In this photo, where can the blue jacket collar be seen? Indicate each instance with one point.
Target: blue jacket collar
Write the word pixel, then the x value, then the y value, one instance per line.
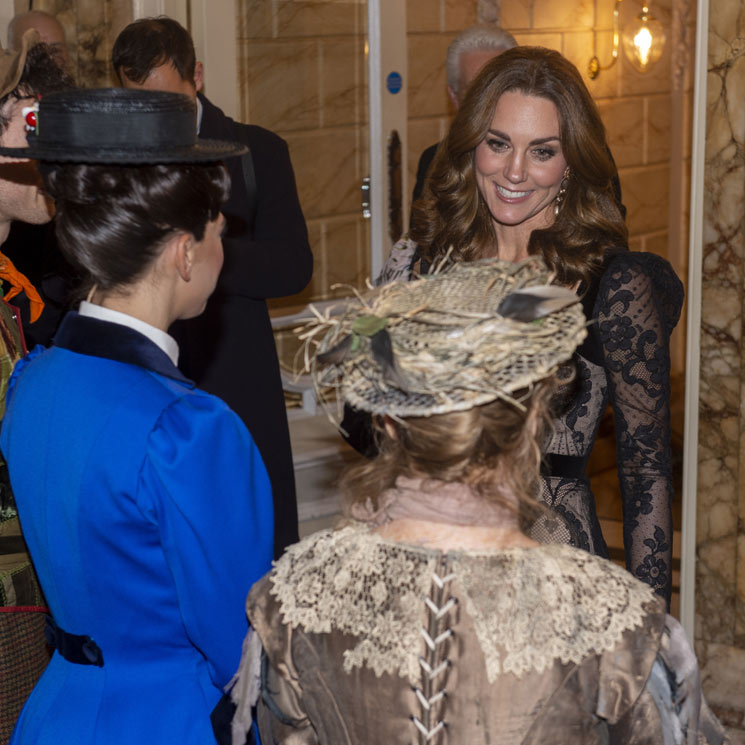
pixel 112 341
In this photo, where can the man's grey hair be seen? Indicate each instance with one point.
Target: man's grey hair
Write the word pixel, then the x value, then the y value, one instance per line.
pixel 475 39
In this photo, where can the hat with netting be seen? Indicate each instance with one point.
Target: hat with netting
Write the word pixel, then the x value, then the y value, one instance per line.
pixel 449 341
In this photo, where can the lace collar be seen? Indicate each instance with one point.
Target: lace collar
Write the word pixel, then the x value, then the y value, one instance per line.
pixel 530 607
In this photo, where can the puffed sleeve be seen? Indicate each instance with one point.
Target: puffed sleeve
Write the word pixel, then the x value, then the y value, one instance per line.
pixel 638 304
pixel 281 711
pixel 671 707
pixel 206 488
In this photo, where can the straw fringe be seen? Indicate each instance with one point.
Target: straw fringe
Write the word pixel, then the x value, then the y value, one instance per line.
pixel 452 348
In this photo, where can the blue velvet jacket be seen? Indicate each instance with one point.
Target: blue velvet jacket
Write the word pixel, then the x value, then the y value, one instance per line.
pixel 148 514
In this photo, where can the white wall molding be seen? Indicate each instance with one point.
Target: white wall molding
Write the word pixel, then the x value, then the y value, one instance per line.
pixel 693 332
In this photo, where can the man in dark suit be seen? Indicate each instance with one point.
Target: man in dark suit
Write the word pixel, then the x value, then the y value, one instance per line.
pixel 229 350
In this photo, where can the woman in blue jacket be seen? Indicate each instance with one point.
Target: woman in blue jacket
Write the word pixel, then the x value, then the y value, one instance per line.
pixel 144 502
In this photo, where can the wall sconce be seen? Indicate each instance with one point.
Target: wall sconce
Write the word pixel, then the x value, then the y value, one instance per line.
pixel 643 41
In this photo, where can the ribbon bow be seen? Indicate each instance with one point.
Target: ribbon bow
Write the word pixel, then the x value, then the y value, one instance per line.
pixel 20 282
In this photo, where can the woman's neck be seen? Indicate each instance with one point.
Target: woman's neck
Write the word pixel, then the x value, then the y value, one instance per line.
pixel 512 240
pixel 454 537
pixel 139 302
pixel 444 515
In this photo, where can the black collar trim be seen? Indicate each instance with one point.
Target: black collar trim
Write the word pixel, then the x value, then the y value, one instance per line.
pixel 92 336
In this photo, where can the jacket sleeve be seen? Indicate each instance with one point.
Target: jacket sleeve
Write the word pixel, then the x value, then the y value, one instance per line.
pixel 638 304
pixel 205 487
pixel 276 260
pixel 281 711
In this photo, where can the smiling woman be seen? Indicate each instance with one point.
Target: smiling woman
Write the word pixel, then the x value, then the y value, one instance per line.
pixel 518 174
pixel 526 170
pixel 545 97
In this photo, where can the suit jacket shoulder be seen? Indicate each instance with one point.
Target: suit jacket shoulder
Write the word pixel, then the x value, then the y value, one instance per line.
pixel 278 260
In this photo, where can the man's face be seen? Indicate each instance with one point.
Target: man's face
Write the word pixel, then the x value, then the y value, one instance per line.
pixel 164 78
pixel 21 190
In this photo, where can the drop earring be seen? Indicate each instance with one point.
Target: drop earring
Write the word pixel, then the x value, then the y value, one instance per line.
pixel 562 192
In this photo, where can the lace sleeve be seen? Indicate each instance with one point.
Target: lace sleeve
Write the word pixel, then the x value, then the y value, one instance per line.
pixel 638 304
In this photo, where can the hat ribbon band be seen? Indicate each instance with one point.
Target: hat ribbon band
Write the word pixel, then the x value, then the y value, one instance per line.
pixel 147 130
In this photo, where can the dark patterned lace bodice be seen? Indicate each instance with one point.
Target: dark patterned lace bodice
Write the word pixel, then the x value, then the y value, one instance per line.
pixel 634 306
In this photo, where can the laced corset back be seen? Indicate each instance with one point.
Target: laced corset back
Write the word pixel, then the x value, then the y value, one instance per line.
pixel 401 608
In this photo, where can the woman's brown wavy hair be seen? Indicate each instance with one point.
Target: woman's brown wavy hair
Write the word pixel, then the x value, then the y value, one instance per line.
pixel 494 448
pixel 452 211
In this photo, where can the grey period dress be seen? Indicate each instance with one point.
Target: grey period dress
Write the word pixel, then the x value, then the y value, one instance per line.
pixel 370 641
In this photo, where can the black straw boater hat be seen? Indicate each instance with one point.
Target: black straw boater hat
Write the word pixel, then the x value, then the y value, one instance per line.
pixel 118 125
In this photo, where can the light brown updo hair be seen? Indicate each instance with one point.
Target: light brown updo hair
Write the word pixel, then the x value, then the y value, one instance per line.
pixel 493 448
pixel 452 211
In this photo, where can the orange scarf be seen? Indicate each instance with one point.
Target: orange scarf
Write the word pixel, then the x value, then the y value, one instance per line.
pixel 18 282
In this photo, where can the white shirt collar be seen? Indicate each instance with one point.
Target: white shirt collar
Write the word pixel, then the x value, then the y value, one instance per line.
pixel 200 111
pixel 160 338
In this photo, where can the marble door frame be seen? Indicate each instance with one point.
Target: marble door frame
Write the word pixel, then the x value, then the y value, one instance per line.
pixel 693 331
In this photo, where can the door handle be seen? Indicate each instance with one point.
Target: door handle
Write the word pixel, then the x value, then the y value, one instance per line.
pixel 366 212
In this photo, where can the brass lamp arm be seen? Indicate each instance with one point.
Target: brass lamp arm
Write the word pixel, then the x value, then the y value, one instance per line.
pixel 594 67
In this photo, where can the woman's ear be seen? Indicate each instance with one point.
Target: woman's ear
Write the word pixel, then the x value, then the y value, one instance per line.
pixel 181 251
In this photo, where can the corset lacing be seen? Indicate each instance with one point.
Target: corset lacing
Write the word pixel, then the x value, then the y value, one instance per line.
pixel 434 662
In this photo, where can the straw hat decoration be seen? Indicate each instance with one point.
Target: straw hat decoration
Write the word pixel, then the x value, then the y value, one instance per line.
pixel 448 341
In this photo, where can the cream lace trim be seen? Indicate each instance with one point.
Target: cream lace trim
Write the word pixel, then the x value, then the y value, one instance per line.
pixel 350 581
pixel 530 607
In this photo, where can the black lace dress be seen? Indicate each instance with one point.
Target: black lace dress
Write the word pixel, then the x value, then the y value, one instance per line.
pixel 633 307
pixel 625 359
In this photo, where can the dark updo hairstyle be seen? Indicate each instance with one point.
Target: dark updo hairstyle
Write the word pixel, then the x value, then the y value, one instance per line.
pixel 452 211
pixel 112 221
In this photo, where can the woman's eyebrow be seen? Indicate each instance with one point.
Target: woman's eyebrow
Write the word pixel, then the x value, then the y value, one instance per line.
pixel 537 141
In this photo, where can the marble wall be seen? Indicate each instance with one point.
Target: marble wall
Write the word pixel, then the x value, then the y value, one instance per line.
pixel 720 576
pixel 303 73
pixel 431 26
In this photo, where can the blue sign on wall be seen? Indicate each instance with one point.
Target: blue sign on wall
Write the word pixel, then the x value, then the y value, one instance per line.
pixel 394 82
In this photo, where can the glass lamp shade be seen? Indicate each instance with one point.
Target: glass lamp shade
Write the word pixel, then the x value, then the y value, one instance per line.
pixel 643 40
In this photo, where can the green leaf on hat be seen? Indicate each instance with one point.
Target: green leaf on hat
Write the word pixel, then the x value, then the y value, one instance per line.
pixel 369 325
